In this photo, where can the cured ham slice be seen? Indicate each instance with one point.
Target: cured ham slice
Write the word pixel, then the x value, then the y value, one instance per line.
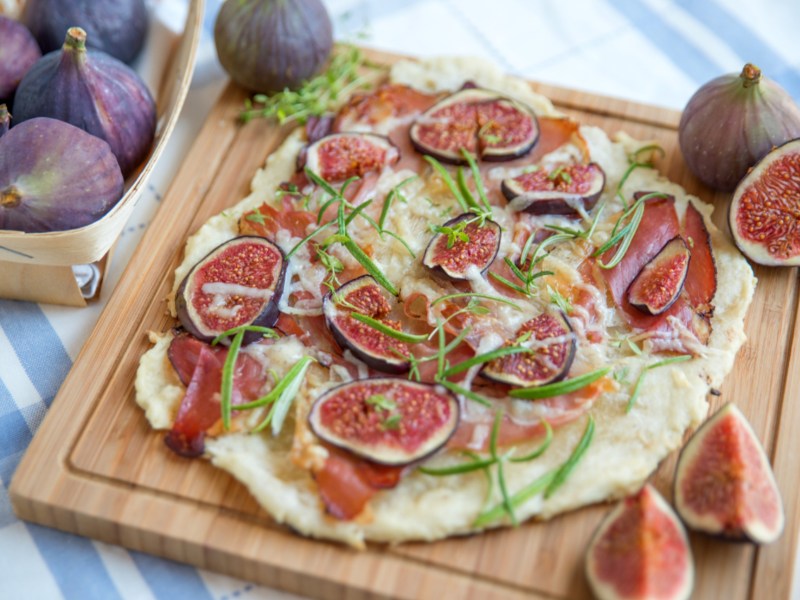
pixel 199 367
pixel 693 308
pixel 346 483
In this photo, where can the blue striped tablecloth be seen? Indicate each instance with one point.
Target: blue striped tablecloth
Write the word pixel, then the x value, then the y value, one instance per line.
pixel 654 51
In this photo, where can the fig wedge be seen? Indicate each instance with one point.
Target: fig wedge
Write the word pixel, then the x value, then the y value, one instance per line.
pixel 640 551
pixel 763 214
pixel 376 349
pixel 552 343
pixel 386 421
pixel 462 243
pixel 238 283
pixel 724 484
pixel 660 282
pixel 339 156
pixel 560 191
pixel 480 121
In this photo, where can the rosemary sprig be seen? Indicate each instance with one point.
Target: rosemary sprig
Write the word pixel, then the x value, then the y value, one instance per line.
pixel 282 396
pixel 548 483
pixel 227 379
pixel 624 234
pixel 267 332
pixel 662 363
pixel 499 299
pixel 316 96
pixel 484 358
pixel 469 394
pixel 377 325
pixel 560 387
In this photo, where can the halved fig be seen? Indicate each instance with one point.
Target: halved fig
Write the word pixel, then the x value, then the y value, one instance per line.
pixel 552 344
pixel 462 243
pixel 660 281
pixel 640 551
pixel 764 215
pixel 386 421
pixel 375 348
pixel 724 484
pixel 340 156
pixel 481 121
pixel 238 283
pixel 559 191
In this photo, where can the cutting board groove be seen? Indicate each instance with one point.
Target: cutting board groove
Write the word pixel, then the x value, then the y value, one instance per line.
pixel 97 469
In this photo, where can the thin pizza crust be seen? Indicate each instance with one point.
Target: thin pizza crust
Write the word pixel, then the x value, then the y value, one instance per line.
pixel 625 450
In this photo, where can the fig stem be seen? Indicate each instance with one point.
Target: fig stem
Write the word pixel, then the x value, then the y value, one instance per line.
pixel 751 75
pixel 10 197
pixel 76 39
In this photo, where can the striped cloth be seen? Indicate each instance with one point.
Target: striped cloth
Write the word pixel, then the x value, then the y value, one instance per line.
pixel 654 51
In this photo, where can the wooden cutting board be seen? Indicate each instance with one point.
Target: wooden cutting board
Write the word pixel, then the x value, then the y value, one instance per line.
pixel 96 468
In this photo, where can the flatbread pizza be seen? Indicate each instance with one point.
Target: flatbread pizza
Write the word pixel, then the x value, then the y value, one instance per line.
pixel 446 308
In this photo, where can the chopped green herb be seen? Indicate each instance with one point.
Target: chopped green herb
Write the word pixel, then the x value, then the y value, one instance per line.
pixel 392 422
pixel 256 217
pixel 316 96
pixel 564 470
pixel 484 358
pixel 662 363
pixel 559 300
pixel 283 394
pixel 500 299
pixel 560 387
pixel 390 331
pixel 381 402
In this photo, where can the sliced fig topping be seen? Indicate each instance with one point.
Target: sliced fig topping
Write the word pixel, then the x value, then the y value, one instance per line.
pixel 462 243
pixel 375 348
pixel 560 191
pixel 387 421
pixel 640 551
pixel 552 343
pixel 660 281
pixel 480 121
pixel 339 156
pixel 724 483
pixel 238 283
pixel 765 210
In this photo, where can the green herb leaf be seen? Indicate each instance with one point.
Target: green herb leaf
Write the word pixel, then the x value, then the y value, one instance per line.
pixel 392 422
pixel 560 387
pixel 381 402
pixel 564 470
pixel 370 267
pixel 500 299
pixel 226 390
pixel 445 175
pixel 484 358
pixel 541 449
pixel 459 469
pixel 469 394
pixel 377 325
pixel 662 363
pixel 283 394
pixel 267 332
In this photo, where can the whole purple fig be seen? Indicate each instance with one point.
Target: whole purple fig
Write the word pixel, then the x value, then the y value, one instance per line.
pixel 269 45
pixel 54 176
pixel 731 122
pixel 95 92
pixel 18 53
pixel 116 27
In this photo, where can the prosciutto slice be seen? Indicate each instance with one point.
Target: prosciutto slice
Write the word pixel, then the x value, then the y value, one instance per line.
pixel 199 367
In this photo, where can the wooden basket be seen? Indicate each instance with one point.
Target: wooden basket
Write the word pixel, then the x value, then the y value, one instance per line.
pixel 38 266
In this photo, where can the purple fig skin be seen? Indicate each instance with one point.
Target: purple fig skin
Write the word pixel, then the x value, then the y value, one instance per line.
pixel 95 92
pixel 18 53
pixel 5 120
pixel 116 27
pixel 732 122
pixel 55 177
pixel 269 45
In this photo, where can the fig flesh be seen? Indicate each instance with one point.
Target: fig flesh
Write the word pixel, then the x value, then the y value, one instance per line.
pixel 640 551
pixel 552 342
pixel 238 283
pixel 386 421
pixel 731 122
pixel 564 190
pixel 270 45
pixel 480 121
pixel 18 53
pixel 764 213
pixel 54 177
pixel 724 484
pixel 116 27
pixel 660 282
pixel 376 349
pixel 462 244
pixel 95 92
pixel 339 156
